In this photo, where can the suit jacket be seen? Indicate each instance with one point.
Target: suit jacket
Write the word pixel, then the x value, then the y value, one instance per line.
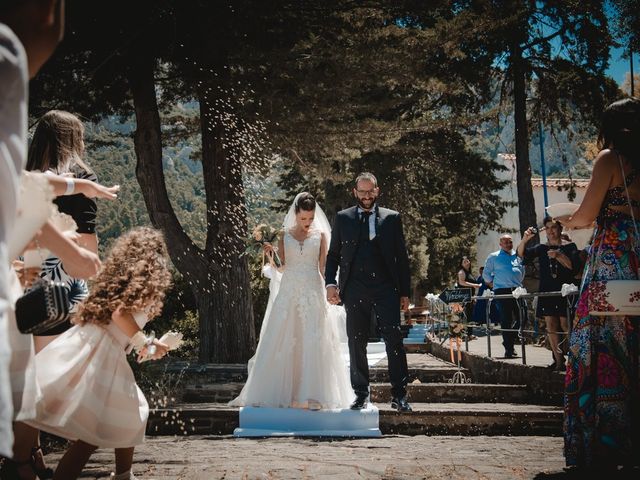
pixel 344 244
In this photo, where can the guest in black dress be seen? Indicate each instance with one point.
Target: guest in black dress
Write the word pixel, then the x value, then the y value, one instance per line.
pixel 556 268
pixel 58 147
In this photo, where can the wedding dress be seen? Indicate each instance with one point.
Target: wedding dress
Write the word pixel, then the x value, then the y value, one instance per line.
pixel 298 362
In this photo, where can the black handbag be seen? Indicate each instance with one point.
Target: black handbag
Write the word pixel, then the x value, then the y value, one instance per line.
pixel 44 306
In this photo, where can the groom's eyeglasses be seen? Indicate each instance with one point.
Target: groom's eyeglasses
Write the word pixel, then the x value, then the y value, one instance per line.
pixel 366 193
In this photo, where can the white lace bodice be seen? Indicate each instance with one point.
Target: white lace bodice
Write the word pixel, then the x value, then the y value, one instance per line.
pixel 302 257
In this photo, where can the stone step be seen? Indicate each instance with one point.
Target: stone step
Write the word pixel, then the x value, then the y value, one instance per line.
pixel 426 419
pixel 422 366
pixel 418 392
pixel 423 347
pixel 455 392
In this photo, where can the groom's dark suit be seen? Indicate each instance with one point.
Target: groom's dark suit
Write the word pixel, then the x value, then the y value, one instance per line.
pixel 374 274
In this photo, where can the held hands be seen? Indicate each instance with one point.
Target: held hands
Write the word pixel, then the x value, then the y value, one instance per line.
pixel 333 297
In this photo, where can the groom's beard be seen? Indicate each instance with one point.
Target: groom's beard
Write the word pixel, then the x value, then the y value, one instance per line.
pixel 366 203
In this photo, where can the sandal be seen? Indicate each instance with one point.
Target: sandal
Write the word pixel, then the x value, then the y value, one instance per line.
pixel 44 472
pixel 128 475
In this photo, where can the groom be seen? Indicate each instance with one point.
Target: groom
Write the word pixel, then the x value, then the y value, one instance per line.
pixel 367 243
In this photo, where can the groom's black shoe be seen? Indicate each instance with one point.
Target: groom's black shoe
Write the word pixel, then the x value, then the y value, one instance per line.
pixel 401 404
pixel 360 402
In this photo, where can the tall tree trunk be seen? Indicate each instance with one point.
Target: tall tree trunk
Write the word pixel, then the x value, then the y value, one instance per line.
pixel 219 279
pixel 526 203
pixel 149 171
pixel 226 321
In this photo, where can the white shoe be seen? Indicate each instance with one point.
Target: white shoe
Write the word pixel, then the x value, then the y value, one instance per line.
pixel 123 476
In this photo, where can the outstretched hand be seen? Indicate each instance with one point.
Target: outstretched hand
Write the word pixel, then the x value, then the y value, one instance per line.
pixel 92 189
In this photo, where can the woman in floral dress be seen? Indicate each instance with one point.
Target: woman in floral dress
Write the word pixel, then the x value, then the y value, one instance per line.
pixel 602 393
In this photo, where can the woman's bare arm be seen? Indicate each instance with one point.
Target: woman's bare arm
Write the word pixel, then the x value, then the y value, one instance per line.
pixel 78 262
pixel 322 261
pixel 88 241
pixel 87 187
pixel 463 282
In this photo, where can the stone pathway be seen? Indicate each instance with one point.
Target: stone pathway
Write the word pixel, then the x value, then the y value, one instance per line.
pixel 391 457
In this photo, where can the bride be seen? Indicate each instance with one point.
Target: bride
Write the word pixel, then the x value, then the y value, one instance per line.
pixel 298 362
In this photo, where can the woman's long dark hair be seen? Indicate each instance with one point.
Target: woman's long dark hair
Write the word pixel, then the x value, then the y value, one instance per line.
pixel 461 266
pixel 57 143
pixel 620 129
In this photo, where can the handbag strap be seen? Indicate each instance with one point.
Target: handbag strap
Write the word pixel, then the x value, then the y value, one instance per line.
pixel 633 218
pixel 626 190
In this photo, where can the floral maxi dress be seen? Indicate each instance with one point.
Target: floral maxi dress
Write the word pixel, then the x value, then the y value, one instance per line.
pixel 601 404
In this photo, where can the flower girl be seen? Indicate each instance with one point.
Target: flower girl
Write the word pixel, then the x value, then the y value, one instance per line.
pixel 89 393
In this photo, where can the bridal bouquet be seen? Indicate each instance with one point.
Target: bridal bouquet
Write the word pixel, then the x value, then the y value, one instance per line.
pixel 261 235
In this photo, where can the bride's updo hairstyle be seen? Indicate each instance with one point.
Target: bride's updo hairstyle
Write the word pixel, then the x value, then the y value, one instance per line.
pixel 305 202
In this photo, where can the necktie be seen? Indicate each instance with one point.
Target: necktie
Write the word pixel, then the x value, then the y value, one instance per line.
pixel 365 224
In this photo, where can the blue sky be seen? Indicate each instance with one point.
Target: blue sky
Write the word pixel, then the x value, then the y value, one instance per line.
pixel 618 67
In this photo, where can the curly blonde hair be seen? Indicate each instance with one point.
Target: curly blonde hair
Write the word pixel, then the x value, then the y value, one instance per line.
pixel 134 278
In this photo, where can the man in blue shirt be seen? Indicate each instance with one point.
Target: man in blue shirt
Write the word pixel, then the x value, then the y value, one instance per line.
pixel 504 271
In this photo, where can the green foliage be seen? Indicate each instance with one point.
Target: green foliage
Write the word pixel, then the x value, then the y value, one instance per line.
pixel 627 19
pixel 313 92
